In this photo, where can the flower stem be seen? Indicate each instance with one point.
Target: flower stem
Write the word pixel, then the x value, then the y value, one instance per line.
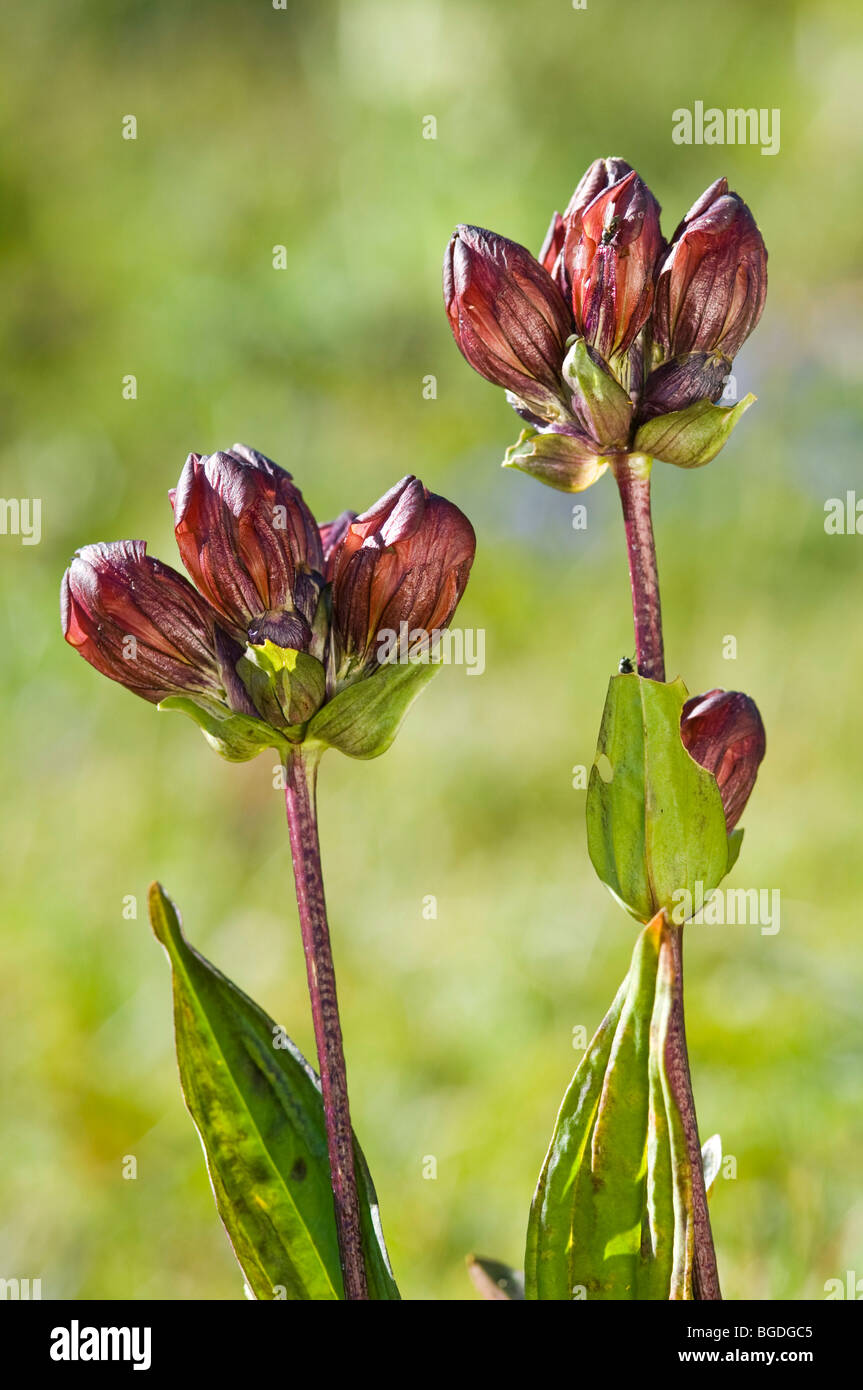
pixel 301 770
pixel 705 1274
pixel 633 481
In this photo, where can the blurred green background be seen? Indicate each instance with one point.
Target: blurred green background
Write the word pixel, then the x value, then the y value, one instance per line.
pixel 303 128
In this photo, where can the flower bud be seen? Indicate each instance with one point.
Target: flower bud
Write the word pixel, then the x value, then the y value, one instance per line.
pixel 251 545
pixel 722 731
pixel 680 382
pixel 405 561
pixel 142 624
pixel 601 175
pixel 712 282
pixel 609 255
pixel 508 317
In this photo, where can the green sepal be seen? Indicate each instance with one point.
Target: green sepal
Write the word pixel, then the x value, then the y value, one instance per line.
pixel 692 437
pixel 257 1106
pixel 237 737
pixel 288 686
pixel 363 719
pixel 558 460
pixel 655 822
pixel 598 399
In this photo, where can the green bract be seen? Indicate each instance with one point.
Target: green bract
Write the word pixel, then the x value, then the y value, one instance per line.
pixel 690 437
pixel 287 685
pixel 558 460
pixel 257 1106
pixel 363 719
pixel 655 822
pixel 237 737
pixel 601 401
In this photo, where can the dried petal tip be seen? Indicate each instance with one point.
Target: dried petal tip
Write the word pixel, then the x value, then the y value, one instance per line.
pixel 601 175
pixel 723 731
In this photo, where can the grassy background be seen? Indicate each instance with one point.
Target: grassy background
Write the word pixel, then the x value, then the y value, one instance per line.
pixel 303 128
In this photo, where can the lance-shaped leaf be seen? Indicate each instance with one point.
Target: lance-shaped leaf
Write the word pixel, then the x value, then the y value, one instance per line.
pixel 363 719
pixel 612 1214
pixel 548 1265
pixel 655 823
pixel 257 1107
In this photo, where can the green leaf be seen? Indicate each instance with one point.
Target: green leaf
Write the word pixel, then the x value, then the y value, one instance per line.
pixel 558 460
pixel 257 1106
pixel 547 1271
pixel 692 437
pixel 363 719
pixel 612 1214
pixel 236 737
pixel 655 823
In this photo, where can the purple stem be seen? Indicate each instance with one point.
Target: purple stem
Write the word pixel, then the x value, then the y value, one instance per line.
pixel 705 1274
pixel 300 782
pixel 633 481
